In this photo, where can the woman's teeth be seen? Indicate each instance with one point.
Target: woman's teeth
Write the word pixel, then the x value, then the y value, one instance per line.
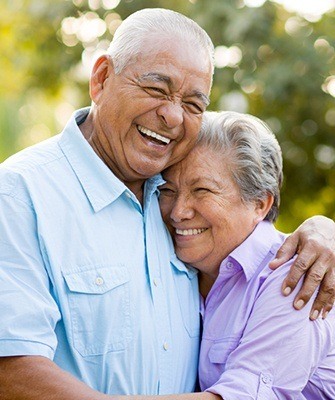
pixel 187 232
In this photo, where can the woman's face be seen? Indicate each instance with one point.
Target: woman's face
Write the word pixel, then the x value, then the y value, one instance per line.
pixel 203 209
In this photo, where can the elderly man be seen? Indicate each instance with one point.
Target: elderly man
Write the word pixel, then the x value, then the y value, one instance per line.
pixel 93 299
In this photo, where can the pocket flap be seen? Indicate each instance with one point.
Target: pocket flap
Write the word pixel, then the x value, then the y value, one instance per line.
pixel 97 280
pixel 220 351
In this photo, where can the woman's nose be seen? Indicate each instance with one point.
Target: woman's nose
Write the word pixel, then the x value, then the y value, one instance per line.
pixel 182 209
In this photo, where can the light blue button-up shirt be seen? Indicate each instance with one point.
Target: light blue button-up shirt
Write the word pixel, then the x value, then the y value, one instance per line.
pixel 88 277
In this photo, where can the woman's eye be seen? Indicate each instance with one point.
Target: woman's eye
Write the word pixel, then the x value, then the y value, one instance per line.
pixel 166 191
pixel 202 190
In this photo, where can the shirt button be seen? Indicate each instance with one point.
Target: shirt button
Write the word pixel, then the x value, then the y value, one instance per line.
pixel 165 346
pixel 99 281
pixel 155 282
pixel 266 379
pixel 230 265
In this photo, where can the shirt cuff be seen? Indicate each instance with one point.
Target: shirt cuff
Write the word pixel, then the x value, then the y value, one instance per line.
pixel 11 348
pixel 244 385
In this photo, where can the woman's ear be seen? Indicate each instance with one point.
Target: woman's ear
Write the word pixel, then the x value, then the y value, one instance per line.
pixel 102 68
pixel 263 207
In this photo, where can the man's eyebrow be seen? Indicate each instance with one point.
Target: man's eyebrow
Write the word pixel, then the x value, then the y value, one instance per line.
pixel 201 96
pixel 156 77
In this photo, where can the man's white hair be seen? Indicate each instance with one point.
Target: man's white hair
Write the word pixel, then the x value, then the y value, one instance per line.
pixel 128 40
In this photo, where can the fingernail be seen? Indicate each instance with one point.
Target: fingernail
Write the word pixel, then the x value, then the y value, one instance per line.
pixel 315 314
pixel 324 316
pixel 299 304
pixel 287 291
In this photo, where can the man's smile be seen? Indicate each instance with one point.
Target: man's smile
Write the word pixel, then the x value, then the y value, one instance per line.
pixel 158 138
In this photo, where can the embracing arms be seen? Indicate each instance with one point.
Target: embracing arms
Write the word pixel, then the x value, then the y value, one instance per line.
pixel 314 241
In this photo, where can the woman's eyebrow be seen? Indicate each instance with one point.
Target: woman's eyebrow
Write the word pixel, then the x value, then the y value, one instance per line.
pixel 206 180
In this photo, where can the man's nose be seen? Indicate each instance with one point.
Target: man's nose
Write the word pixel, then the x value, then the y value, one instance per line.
pixel 172 113
pixel 182 209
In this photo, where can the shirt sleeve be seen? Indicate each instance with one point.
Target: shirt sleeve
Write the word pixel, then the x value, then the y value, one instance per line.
pixel 28 311
pixel 279 350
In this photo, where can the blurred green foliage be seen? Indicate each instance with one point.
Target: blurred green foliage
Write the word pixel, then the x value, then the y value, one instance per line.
pixel 277 65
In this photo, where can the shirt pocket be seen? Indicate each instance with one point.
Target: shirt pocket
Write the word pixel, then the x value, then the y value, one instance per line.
pixel 188 296
pixel 220 351
pixel 99 306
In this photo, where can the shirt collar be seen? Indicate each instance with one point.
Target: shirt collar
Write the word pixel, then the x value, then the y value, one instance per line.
pixel 251 252
pixel 99 183
pixel 180 266
pixel 151 184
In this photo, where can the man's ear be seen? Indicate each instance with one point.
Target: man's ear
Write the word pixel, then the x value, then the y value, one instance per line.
pixel 263 207
pixel 100 72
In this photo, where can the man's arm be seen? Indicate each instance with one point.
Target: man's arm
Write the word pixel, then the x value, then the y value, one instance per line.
pixel 37 378
pixel 314 241
pixel 184 396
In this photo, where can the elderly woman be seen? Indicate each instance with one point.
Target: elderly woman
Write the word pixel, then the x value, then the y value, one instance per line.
pixel 220 204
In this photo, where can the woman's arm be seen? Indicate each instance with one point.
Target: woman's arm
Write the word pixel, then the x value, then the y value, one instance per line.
pixel 314 241
pixel 279 349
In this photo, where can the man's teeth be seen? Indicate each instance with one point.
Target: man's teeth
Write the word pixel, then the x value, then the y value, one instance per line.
pixel 187 232
pixel 154 135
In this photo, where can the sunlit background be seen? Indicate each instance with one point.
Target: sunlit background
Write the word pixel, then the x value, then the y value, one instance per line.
pixel 274 59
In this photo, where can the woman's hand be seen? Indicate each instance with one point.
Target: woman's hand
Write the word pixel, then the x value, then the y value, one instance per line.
pixel 314 241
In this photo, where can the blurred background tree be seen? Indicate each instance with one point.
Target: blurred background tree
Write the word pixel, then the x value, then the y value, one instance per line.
pixel 274 59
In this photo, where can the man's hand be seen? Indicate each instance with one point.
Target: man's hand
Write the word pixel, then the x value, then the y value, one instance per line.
pixel 314 241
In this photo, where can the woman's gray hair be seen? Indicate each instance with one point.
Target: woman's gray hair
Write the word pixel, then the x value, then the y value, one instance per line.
pixel 127 43
pixel 252 151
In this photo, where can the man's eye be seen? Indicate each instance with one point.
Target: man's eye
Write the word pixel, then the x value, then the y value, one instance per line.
pixel 194 108
pixel 155 90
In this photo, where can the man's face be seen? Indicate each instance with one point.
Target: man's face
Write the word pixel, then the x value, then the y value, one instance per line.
pixel 148 116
